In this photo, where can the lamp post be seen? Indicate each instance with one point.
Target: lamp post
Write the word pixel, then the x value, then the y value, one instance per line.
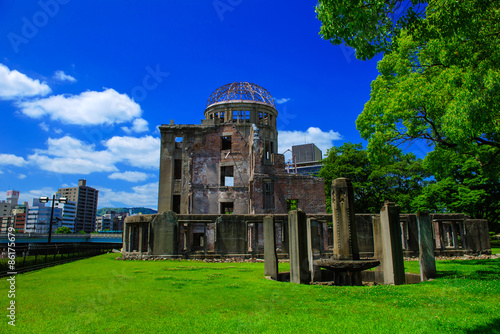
pixel 46 199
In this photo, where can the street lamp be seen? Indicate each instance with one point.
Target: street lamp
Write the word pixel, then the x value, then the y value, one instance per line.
pixel 45 199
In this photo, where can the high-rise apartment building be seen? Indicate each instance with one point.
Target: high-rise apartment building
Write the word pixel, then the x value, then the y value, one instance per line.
pixel 86 205
pixel 68 214
pixel 38 217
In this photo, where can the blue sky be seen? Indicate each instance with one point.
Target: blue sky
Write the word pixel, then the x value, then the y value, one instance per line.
pixel 84 85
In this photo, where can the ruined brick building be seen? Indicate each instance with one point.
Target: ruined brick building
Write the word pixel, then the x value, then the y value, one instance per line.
pixel 229 163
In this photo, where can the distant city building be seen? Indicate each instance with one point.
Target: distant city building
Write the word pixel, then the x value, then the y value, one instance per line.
pixel 7 217
pixel 38 218
pixel 6 206
pixel 13 197
pixel 86 205
pixel 19 216
pixel 68 214
pixel 110 221
pixel 306 160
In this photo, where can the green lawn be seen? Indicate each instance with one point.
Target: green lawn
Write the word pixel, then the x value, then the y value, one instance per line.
pixel 102 295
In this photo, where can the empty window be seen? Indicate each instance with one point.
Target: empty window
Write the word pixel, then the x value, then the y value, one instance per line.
pixel 226 208
pixel 247 116
pixel 261 116
pixel 226 176
pixel 292 204
pixel 177 169
pixel 234 116
pixel 226 143
pixel 267 150
pixel 266 119
pixel 178 139
pixel 268 195
pixel 222 115
pixel 176 207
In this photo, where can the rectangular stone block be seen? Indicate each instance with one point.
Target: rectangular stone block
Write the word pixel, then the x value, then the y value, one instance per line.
pixel 163 239
pixel 392 248
pixel 270 256
pixel 299 260
pixel 426 257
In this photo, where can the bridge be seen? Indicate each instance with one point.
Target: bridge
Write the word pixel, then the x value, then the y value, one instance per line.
pixel 56 238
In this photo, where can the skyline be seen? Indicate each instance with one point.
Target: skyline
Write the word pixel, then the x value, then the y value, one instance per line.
pixel 83 87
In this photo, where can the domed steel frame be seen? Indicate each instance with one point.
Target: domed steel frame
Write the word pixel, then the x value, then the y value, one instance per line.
pixel 240 91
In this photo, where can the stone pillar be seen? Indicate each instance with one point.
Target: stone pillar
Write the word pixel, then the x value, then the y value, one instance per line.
pixel 426 257
pixel 270 256
pixel 312 240
pixel 345 241
pixel 391 261
pixel 163 238
pixel 378 249
pixel 299 261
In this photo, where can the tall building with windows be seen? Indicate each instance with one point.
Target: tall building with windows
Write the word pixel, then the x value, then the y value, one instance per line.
pixel 38 217
pixel 68 214
pixel 85 198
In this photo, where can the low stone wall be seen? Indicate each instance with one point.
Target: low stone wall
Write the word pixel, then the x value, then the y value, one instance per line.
pixel 168 235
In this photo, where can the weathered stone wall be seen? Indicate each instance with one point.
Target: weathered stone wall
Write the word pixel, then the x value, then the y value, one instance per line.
pixel 242 235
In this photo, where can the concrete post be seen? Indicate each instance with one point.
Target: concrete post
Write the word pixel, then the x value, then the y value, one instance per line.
pixel 426 257
pixel 390 234
pixel 270 256
pixel 312 240
pixel 378 249
pixel 299 261
pixel 345 240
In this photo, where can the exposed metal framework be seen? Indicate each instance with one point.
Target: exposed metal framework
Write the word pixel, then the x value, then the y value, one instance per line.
pixel 240 91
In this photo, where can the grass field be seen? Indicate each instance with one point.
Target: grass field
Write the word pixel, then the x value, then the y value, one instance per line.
pixel 103 295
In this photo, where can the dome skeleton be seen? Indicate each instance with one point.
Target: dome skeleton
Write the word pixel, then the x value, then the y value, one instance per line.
pixel 240 91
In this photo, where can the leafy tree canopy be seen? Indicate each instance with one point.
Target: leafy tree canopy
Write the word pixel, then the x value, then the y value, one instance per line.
pixel 368 26
pixel 460 186
pixel 439 78
pixel 399 180
pixel 63 229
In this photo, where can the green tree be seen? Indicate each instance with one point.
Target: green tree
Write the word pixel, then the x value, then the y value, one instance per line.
pixel 440 75
pixel 460 186
pixel 399 180
pixel 63 229
pixel 368 26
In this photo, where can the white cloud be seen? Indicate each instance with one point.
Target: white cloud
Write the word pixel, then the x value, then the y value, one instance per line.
pixel 21 176
pixel 61 76
pixel 145 195
pixel 44 127
pixel 282 100
pixel 138 125
pixel 323 140
pixel 27 196
pixel 68 155
pixel 141 152
pixel 88 108
pixel 11 159
pixel 130 176
pixel 16 85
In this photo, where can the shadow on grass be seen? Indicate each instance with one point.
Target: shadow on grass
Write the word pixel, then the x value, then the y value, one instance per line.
pixel 485 269
pixel 491 327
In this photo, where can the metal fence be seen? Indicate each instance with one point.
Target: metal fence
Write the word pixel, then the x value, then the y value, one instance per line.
pixel 32 257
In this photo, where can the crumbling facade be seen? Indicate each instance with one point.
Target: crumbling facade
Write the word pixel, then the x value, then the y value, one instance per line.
pixel 229 163
pixel 220 180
